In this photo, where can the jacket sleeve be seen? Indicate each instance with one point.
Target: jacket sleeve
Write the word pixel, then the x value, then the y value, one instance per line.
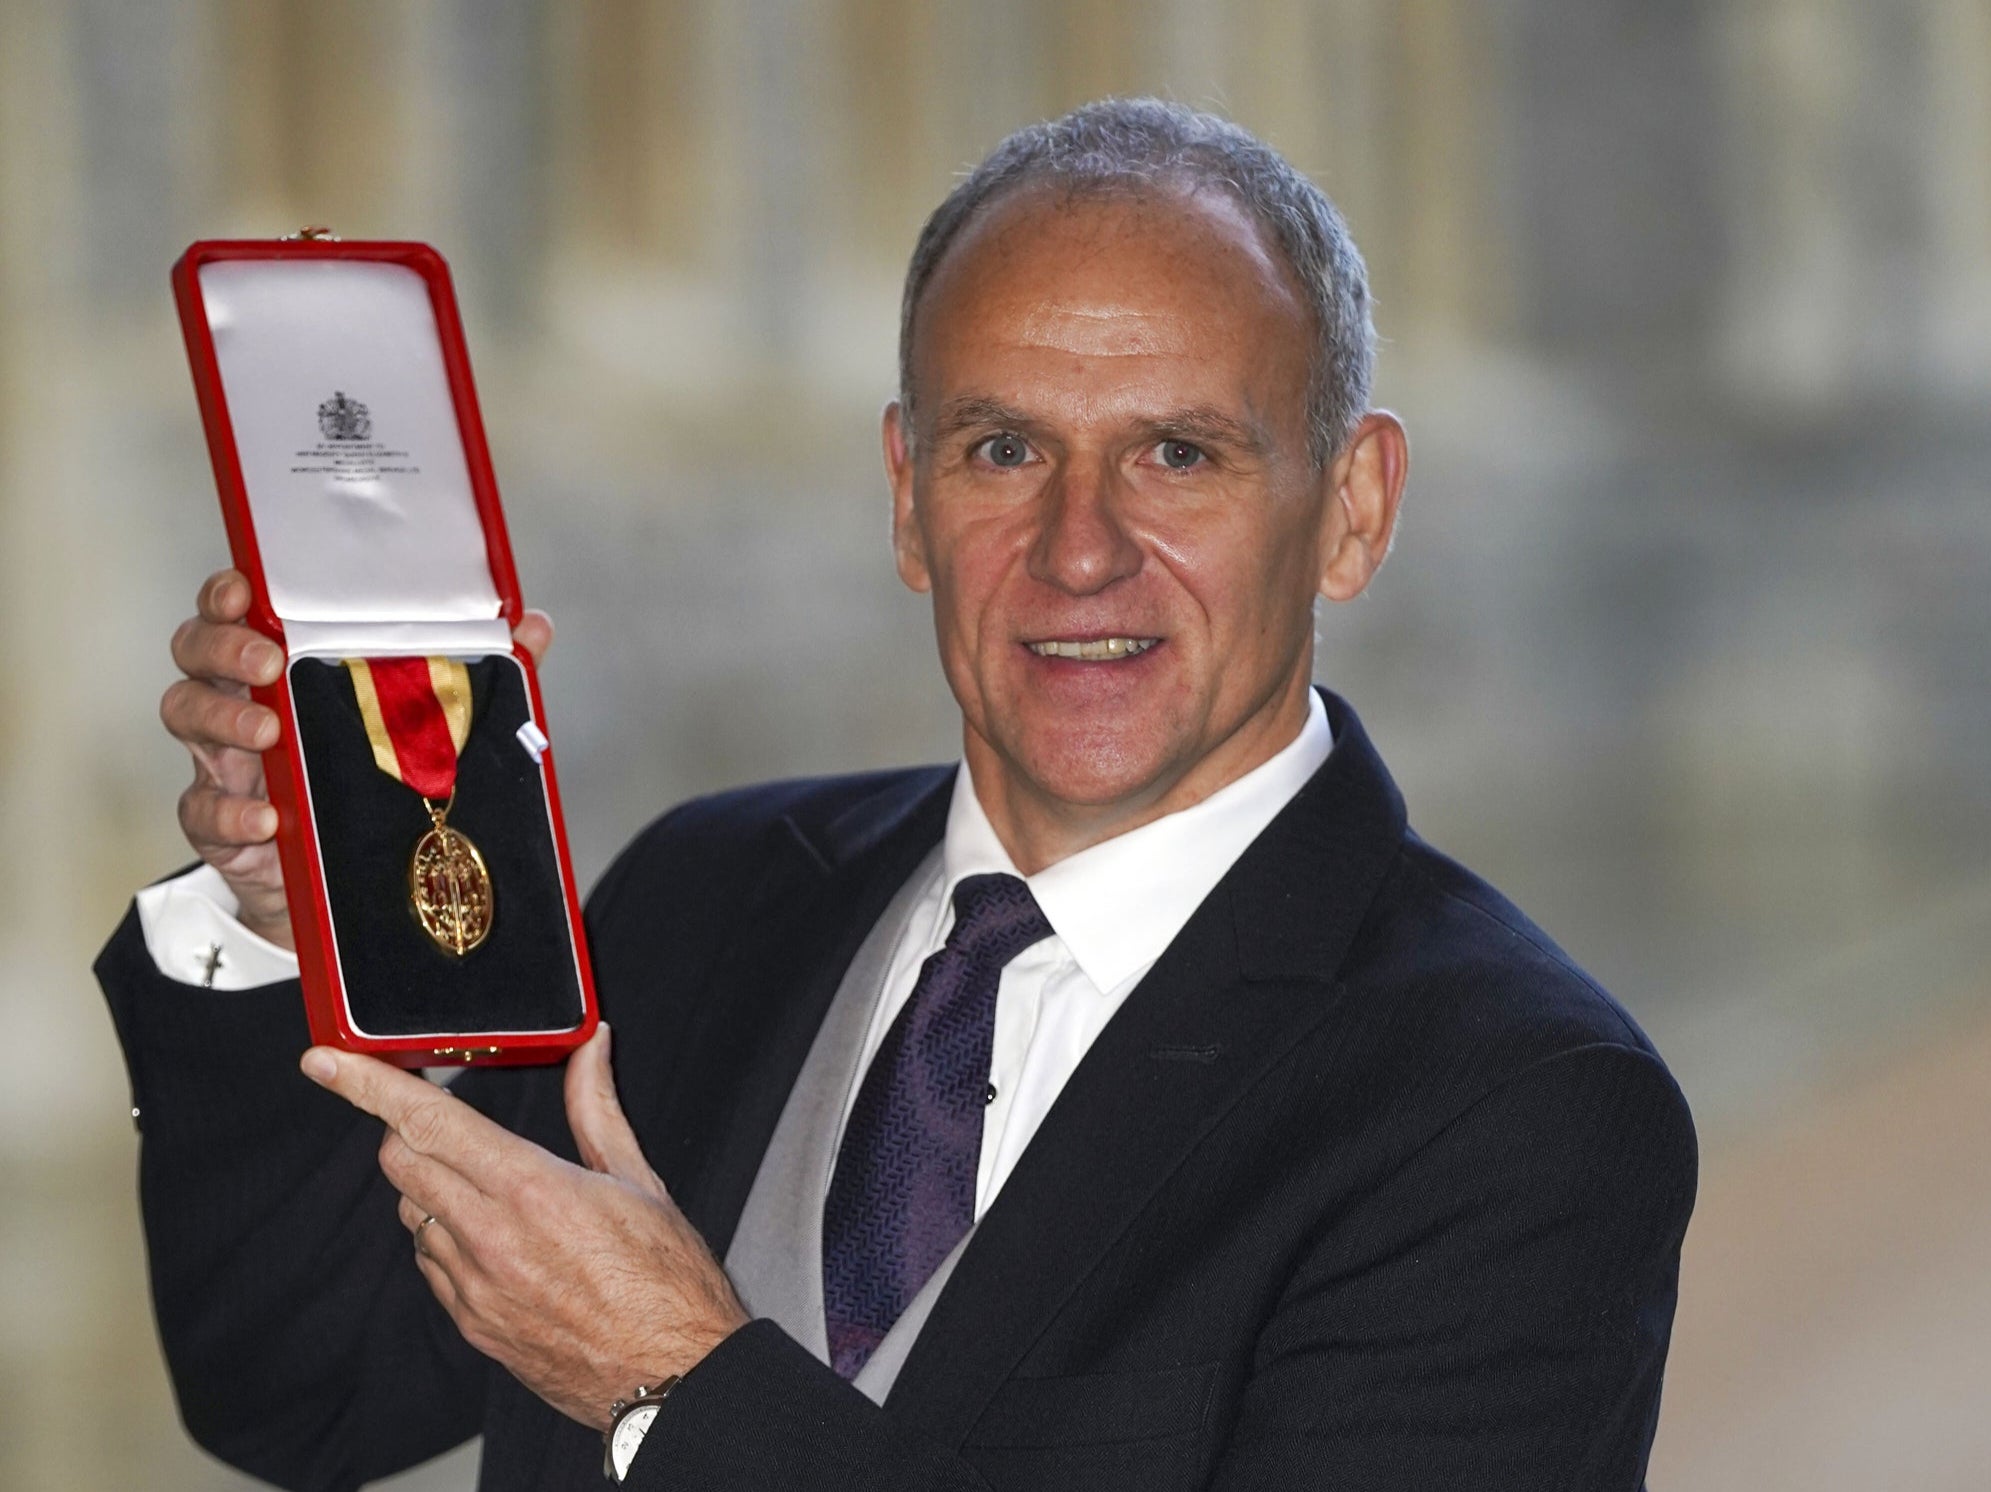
pixel 303 1344
pixel 760 1411
pixel 1504 1324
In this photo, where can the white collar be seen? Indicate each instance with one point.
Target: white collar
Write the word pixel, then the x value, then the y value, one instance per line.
pixel 1119 903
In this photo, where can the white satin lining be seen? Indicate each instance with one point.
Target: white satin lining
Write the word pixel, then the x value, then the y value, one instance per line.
pixel 368 530
pixel 392 639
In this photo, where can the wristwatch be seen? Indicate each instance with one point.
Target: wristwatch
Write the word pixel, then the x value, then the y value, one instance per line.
pixel 629 1421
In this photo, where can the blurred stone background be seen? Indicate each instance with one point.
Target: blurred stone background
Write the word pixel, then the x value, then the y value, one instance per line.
pixel 1687 304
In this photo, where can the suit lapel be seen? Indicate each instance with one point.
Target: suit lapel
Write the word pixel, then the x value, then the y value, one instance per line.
pixel 1249 976
pixel 825 885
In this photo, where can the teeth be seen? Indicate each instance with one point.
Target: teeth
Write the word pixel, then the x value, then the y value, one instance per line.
pixel 1103 647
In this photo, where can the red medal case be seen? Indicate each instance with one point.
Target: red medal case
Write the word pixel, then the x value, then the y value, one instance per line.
pixel 336 394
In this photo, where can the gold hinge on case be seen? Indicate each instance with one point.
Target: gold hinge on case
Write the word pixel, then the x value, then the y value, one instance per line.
pixel 313 233
pixel 464 1053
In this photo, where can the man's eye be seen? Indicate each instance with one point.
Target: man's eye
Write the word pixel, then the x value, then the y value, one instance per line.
pixel 1007 451
pixel 1180 455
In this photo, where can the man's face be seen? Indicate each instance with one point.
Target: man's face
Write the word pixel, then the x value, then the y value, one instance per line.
pixel 1109 495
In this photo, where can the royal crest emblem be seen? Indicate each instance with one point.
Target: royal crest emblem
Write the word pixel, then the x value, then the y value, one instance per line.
pixel 340 418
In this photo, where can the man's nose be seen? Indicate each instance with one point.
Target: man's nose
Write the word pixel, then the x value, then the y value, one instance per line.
pixel 1083 542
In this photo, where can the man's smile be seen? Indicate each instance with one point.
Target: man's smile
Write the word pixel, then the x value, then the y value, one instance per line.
pixel 1092 649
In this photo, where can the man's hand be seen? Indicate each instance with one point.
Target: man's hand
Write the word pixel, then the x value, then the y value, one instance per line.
pixel 582 1283
pixel 225 814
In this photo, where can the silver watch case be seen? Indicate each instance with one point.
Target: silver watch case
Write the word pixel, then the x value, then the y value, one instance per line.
pixel 629 1420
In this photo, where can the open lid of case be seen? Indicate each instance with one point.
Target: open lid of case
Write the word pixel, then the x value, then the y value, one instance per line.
pixel 347 446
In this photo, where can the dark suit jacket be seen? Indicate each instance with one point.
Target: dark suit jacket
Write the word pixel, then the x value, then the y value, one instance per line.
pixel 1365 1186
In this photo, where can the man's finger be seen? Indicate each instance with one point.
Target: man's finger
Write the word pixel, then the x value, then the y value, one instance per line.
pixel 594 1114
pixel 429 1121
pixel 428 1233
pixel 213 819
pixel 534 633
pixel 224 596
pixel 411 1213
pixel 204 649
pixel 441 1285
pixel 430 1184
pixel 197 713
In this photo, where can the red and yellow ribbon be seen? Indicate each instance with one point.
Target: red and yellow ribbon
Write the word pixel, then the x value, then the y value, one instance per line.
pixel 417 714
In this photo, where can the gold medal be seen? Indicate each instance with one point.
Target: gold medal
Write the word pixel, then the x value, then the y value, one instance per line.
pixel 449 886
pixel 417 715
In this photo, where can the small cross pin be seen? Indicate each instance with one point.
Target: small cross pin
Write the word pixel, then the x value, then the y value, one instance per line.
pixel 212 965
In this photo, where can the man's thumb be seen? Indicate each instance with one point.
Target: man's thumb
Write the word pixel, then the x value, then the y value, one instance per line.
pixel 594 1114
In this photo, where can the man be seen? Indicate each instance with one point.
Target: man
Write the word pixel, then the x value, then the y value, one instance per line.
pixel 1139 1104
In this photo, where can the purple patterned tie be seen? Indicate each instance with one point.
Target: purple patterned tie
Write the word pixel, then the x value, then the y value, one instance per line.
pixel 904 1189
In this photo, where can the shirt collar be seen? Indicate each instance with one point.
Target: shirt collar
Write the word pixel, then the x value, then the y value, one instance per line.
pixel 1119 903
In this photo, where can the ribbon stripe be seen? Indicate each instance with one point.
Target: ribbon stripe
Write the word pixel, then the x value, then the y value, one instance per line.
pixel 417 714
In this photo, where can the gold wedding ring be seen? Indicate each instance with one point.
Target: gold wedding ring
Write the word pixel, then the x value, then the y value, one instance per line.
pixel 421 1228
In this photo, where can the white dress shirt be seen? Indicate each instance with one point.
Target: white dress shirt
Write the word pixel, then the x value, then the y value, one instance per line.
pixel 193 936
pixel 1113 909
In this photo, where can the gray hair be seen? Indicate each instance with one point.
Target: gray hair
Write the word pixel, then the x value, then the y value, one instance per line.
pixel 1137 145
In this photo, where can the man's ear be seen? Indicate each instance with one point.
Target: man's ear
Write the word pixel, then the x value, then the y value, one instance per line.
pixel 908 544
pixel 1364 490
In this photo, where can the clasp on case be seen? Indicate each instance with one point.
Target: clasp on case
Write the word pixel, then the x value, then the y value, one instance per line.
pixel 313 233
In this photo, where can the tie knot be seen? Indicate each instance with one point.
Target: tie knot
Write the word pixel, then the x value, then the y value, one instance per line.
pixel 995 916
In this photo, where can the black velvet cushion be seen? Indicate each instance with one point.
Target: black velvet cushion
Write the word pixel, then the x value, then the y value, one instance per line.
pixel 398 982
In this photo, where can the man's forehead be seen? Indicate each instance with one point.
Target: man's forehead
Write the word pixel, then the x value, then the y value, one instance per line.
pixel 1173 275
pixel 1071 319
pixel 1062 243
